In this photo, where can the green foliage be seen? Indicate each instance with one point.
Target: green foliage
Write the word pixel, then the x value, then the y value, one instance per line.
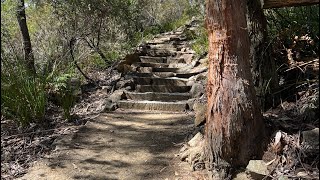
pixel 286 23
pixel 97 62
pixel 113 55
pixel 64 92
pixel 200 44
pixel 23 98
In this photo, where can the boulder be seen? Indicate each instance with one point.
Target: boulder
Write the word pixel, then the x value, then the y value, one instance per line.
pixel 197 90
pixel 144 69
pixel 200 110
pixel 132 58
pixel 257 169
pixel 311 139
pixel 195 140
pixel 190 103
pixel 125 83
pixel 123 67
pixel 109 106
pixel 204 61
pixel 187 57
pixel 117 95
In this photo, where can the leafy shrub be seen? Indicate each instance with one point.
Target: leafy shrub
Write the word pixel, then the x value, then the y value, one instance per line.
pixel 63 90
pixel 201 43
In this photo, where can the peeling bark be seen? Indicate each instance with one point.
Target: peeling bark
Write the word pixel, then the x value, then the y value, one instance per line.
pixel 234 127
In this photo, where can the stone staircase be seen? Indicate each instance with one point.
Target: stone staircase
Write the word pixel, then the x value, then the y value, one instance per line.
pixel 163 75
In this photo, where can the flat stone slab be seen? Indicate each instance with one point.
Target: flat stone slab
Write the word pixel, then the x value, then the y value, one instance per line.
pixel 156 96
pixel 162 52
pixel 162 88
pixel 161 81
pixel 151 59
pixel 165 74
pixel 172 60
pixel 154 105
pixel 166 69
pixel 150 64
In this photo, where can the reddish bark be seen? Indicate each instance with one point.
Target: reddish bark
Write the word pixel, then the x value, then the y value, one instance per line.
pixel 28 54
pixel 234 122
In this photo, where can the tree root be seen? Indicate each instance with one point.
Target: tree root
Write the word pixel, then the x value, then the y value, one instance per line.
pixel 193 152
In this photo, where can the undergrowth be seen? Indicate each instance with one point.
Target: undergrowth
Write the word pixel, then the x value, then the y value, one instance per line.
pixel 23 97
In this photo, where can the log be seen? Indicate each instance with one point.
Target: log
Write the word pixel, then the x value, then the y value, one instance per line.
pixel 287 3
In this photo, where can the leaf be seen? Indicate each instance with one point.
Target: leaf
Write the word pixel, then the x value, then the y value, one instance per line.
pixel 277 138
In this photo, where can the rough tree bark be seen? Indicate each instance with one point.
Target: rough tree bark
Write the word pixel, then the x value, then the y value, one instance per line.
pixel 28 55
pixel 234 127
pixel 263 67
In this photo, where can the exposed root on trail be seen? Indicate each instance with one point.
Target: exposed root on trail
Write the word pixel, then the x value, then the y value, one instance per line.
pixel 193 153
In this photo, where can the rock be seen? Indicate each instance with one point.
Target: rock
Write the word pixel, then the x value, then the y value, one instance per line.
pixel 196 140
pixel 124 68
pixel 190 103
pixel 109 106
pixel 197 90
pixel 257 169
pixel 242 176
pixel 132 58
pixel 200 110
pixel 117 95
pixel 187 57
pixel 311 139
pixel 125 83
pixel 202 76
pixel 204 61
pixel 190 83
pixel 144 69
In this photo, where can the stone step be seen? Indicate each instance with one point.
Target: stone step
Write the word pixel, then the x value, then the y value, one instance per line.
pixel 165 74
pixel 151 59
pixel 162 52
pixel 154 105
pixel 173 60
pixel 155 74
pixel 162 88
pixel 161 81
pixel 165 69
pixel 157 96
pixel 164 45
pixel 150 64
pixel 163 59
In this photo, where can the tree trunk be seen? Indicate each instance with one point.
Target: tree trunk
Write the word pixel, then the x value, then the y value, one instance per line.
pixel 234 127
pixel 28 54
pixel 263 67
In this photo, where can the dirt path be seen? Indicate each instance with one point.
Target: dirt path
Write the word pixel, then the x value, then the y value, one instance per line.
pixel 120 145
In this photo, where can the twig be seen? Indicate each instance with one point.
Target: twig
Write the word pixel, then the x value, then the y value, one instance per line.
pixel 298 66
pixel 71 44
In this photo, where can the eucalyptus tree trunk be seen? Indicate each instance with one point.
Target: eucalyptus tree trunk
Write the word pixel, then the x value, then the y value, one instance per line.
pixel 263 68
pixel 234 127
pixel 28 54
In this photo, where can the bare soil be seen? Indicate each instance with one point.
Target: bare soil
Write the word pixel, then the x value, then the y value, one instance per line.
pixel 121 145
